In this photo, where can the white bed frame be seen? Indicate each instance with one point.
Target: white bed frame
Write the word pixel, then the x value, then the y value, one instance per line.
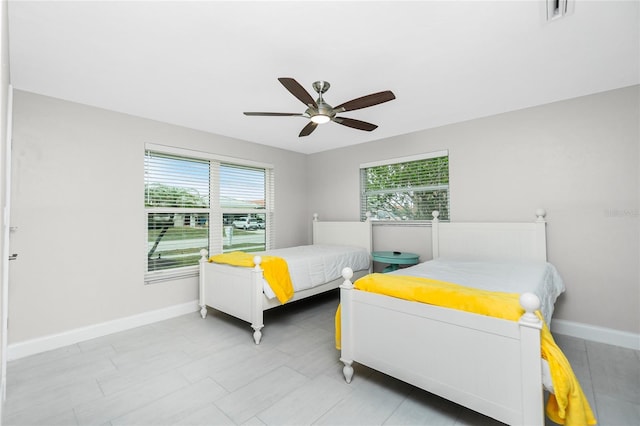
pixel 489 365
pixel 239 292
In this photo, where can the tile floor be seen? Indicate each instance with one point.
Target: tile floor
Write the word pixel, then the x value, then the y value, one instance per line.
pixel 189 371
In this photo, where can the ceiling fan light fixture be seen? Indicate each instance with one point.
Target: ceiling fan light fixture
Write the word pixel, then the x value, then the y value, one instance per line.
pixel 320 118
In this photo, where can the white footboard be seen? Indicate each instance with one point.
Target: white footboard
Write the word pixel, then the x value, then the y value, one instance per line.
pixel 238 292
pixel 489 365
pixel 235 291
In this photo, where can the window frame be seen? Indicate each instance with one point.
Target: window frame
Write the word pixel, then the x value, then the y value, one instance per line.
pixel 401 160
pixel 215 210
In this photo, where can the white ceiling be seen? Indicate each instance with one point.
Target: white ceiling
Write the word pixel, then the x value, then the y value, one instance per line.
pixel 201 64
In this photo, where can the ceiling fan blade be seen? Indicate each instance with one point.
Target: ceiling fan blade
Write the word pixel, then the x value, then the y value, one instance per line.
pixel 366 101
pixel 273 114
pixel 356 124
pixel 298 91
pixel 306 131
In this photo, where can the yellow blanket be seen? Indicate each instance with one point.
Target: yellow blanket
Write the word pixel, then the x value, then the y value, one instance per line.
pixel 567 406
pixel 275 270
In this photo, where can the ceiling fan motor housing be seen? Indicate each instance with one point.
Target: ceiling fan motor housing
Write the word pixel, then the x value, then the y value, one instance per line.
pixel 323 109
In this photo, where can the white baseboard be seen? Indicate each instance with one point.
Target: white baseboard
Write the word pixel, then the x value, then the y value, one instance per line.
pixel 55 341
pixel 596 334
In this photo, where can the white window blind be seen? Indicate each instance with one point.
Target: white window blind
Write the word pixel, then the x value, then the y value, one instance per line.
pixel 172 181
pixel 177 196
pixel 246 208
pixel 194 203
pixel 406 189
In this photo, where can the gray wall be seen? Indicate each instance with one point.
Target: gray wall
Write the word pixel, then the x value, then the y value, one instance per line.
pixel 77 184
pixel 78 206
pixel 578 159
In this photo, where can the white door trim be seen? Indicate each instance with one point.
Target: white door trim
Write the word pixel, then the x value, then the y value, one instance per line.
pixel 6 224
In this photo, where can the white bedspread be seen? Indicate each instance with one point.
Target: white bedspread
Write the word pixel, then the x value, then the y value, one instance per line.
pixel 313 265
pixel 540 278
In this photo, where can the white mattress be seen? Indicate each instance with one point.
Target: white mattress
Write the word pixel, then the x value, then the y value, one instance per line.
pixel 313 265
pixel 540 278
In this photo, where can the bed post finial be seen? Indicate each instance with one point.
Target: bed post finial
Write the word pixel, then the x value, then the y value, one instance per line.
pixel 540 214
pixel 203 255
pixel 257 260
pixel 531 303
pixel 367 217
pixel 347 274
pixel 315 217
pixel 435 215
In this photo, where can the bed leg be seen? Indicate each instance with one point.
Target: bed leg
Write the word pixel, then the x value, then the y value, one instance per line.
pixel 203 261
pixel 347 370
pixel 257 334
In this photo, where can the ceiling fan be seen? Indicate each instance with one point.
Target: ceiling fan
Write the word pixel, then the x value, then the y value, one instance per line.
pixel 319 112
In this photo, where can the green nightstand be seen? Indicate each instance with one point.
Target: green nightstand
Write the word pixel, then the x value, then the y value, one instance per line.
pixel 394 259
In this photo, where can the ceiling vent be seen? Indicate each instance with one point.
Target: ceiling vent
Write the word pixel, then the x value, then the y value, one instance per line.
pixel 556 9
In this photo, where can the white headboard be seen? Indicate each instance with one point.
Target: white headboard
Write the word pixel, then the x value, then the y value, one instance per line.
pixel 489 240
pixel 356 234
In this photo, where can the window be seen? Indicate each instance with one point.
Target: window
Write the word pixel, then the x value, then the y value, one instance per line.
pixel 406 189
pixel 242 203
pixel 196 201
